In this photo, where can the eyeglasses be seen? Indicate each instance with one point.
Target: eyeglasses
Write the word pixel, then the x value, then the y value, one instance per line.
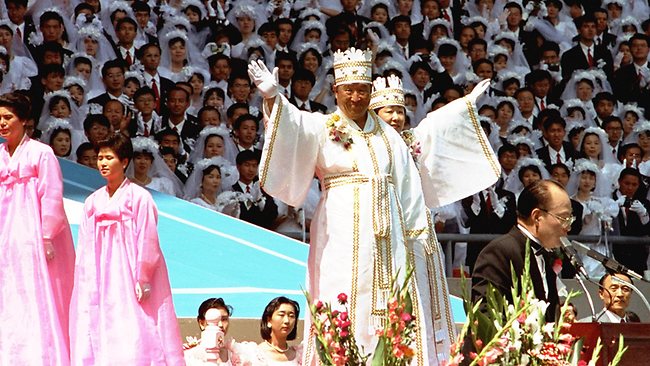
pixel 566 222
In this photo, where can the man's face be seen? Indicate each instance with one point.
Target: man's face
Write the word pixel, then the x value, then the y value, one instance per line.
pixel 614 132
pixel 145 103
pixel 52 81
pixel 16 12
pixel 560 175
pixel 587 31
pixel 151 58
pixel 301 89
pixel 477 52
pixel 247 171
pixel 270 38
pixel 526 102
pixel 114 79
pixel 142 18
pixel 552 222
pixel 285 70
pixel 239 90
pixel 601 21
pixel 485 71
pixel 96 133
pixel 353 99
pixel 126 33
pixel 52 58
pixel 349 5
pixel 285 33
pixel 341 42
pixel 550 57
pixel 541 88
pixel 177 103
pixel 171 141
pixel 221 70
pixel 88 158
pixel 554 134
pixel 514 18
pixel 628 185
pixel 402 30
pixel 617 296
pixel 633 155
pixel 421 77
pixel 52 30
pixel 604 108
pixel 639 50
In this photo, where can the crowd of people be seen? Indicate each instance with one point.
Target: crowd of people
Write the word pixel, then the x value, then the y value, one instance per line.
pixel 569 98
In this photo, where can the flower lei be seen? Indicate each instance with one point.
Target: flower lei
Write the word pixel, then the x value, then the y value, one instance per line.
pixel 412 143
pixel 339 131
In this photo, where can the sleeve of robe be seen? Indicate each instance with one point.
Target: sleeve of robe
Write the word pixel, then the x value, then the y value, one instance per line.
pixel 149 252
pixel 292 142
pixel 50 192
pixel 456 159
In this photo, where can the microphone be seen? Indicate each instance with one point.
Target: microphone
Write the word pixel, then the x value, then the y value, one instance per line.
pixel 609 263
pixel 573 256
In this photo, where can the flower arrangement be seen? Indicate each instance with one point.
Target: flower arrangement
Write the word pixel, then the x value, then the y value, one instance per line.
pixel 516 333
pixel 337 346
pixel 412 143
pixel 339 131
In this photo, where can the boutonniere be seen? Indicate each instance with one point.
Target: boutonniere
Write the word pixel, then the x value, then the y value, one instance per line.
pixel 412 143
pixel 339 131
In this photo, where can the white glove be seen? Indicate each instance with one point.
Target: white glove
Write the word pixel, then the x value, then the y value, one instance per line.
pixel 499 209
pixel 645 77
pixel 621 201
pixel 618 59
pixel 142 291
pixel 49 249
pixel 476 204
pixel 220 13
pixel 266 82
pixel 478 90
pixel 638 208
pixel 373 37
pixel 435 64
pixel 503 17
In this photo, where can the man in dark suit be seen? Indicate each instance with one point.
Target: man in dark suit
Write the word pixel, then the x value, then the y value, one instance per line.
pixel 178 101
pixel 126 31
pixel 514 23
pixel 632 219
pixel 632 82
pixel 113 78
pixel 262 210
pixel 22 24
pixel 429 81
pixel 492 211
pixel 603 37
pixel 557 150
pixel 142 13
pixel 616 299
pixel 586 54
pixel 542 84
pixel 301 85
pixel 544 215
pixel 452 11
pixel 149 56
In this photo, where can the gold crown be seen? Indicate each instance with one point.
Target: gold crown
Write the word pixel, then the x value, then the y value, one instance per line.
pixel 386 91
pixel 353 66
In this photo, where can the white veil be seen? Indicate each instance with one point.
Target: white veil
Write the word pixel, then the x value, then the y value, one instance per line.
pixel 229 176
pixel 230 150
pixel 603 187
pixel 605 155
pixel 158 169
pixel 515 185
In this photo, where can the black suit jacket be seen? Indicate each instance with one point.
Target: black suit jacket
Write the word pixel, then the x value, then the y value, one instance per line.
pixel 487 222
pixel 574 59
pixel 543 154
pixel 264 218
pixel 627 88
pixel 313 106
pixel 101 99
pixel 493 267
pixel 632 256
pixel 190 131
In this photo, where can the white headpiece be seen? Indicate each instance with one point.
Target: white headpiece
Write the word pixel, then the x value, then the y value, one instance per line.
pixel 229 176
pixel 386 92
pixel 353 66
pixel 632 107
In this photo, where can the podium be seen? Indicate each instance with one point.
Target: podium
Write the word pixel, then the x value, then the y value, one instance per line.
pixel 636 336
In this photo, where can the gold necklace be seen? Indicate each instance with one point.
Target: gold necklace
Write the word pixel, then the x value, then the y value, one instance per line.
pixel 278 349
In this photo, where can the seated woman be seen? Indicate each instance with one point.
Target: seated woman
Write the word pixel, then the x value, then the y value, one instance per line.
pixel 212 347
pixel 592 144
pixel 149 170
pixel 210 186
pixel 62 138
pixel 277 327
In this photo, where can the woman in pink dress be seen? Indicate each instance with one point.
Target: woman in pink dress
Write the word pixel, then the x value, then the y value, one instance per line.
pixel 121 311
pixel 37 256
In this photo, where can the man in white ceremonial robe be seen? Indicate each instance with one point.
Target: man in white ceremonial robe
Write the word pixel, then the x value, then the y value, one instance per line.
pixel 372 217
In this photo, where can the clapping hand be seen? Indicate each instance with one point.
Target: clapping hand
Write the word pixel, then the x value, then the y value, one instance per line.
pixel 266 82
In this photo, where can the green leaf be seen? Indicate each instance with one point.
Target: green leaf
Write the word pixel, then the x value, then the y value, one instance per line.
pixel 380 350
pixel 575 352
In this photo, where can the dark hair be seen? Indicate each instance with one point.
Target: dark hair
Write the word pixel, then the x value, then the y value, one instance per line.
pixel 560 166
pixel 82 60
pixel 535 195
pixel 604 96
pixel 113 64
pixel 212 303
pixel 46 70
pixel 623 150
pixel 211 168
pixel 447 49
pixel 119 144
pixel 524 168
pixel 167 132
pixel 50 15
pixel 247 155
pixel 121 22
pixel 507 148
pixel 208 93
pixel 245 117
pixel 177 88
pixel 477 41
pixel 420 65
pixel 231 110
pixel 285 56
pixel 550 46
pixel 312 51
pixel 379 6
pixel 274 305
pixel 575 131
pixel 523 90
pixel 83 148
pixel 98 119
pixel 140 6
pixel 551 120
pixel 57 98
pixel 640 36
pixel 83 6
pixel 581 20
pixel 482 61
pixel 18 103
pixel 268 27
pixel 303 74
pixel 538 75
pixel 611 119
pixel 609 273
pixel 143 90
pixel 398 19
pixel 139 53
pixel 22 3
pixel 212 59
pixel 207 109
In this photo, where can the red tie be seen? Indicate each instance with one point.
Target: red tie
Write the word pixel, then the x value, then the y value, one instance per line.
pixel 488 202
pixel 175 129
pixel 19 34
pixel 156 94
pixel 541 105
pixel 129 60
pixel 639 77
pixel 248 189
pixel 446 15
pixel 590 58
pixel 558 158
pixel 146 130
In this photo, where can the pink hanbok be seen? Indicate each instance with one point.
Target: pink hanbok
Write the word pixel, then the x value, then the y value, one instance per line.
pixel 118 246
pixel 34 292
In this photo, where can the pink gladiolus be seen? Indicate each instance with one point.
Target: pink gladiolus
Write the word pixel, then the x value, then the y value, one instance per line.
pixel 479 344
pixel 344 333
pixel 335 313
pixel 343 298
pixel 318 304
pixel 343 316
pixel 406 317
pixel 522 318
